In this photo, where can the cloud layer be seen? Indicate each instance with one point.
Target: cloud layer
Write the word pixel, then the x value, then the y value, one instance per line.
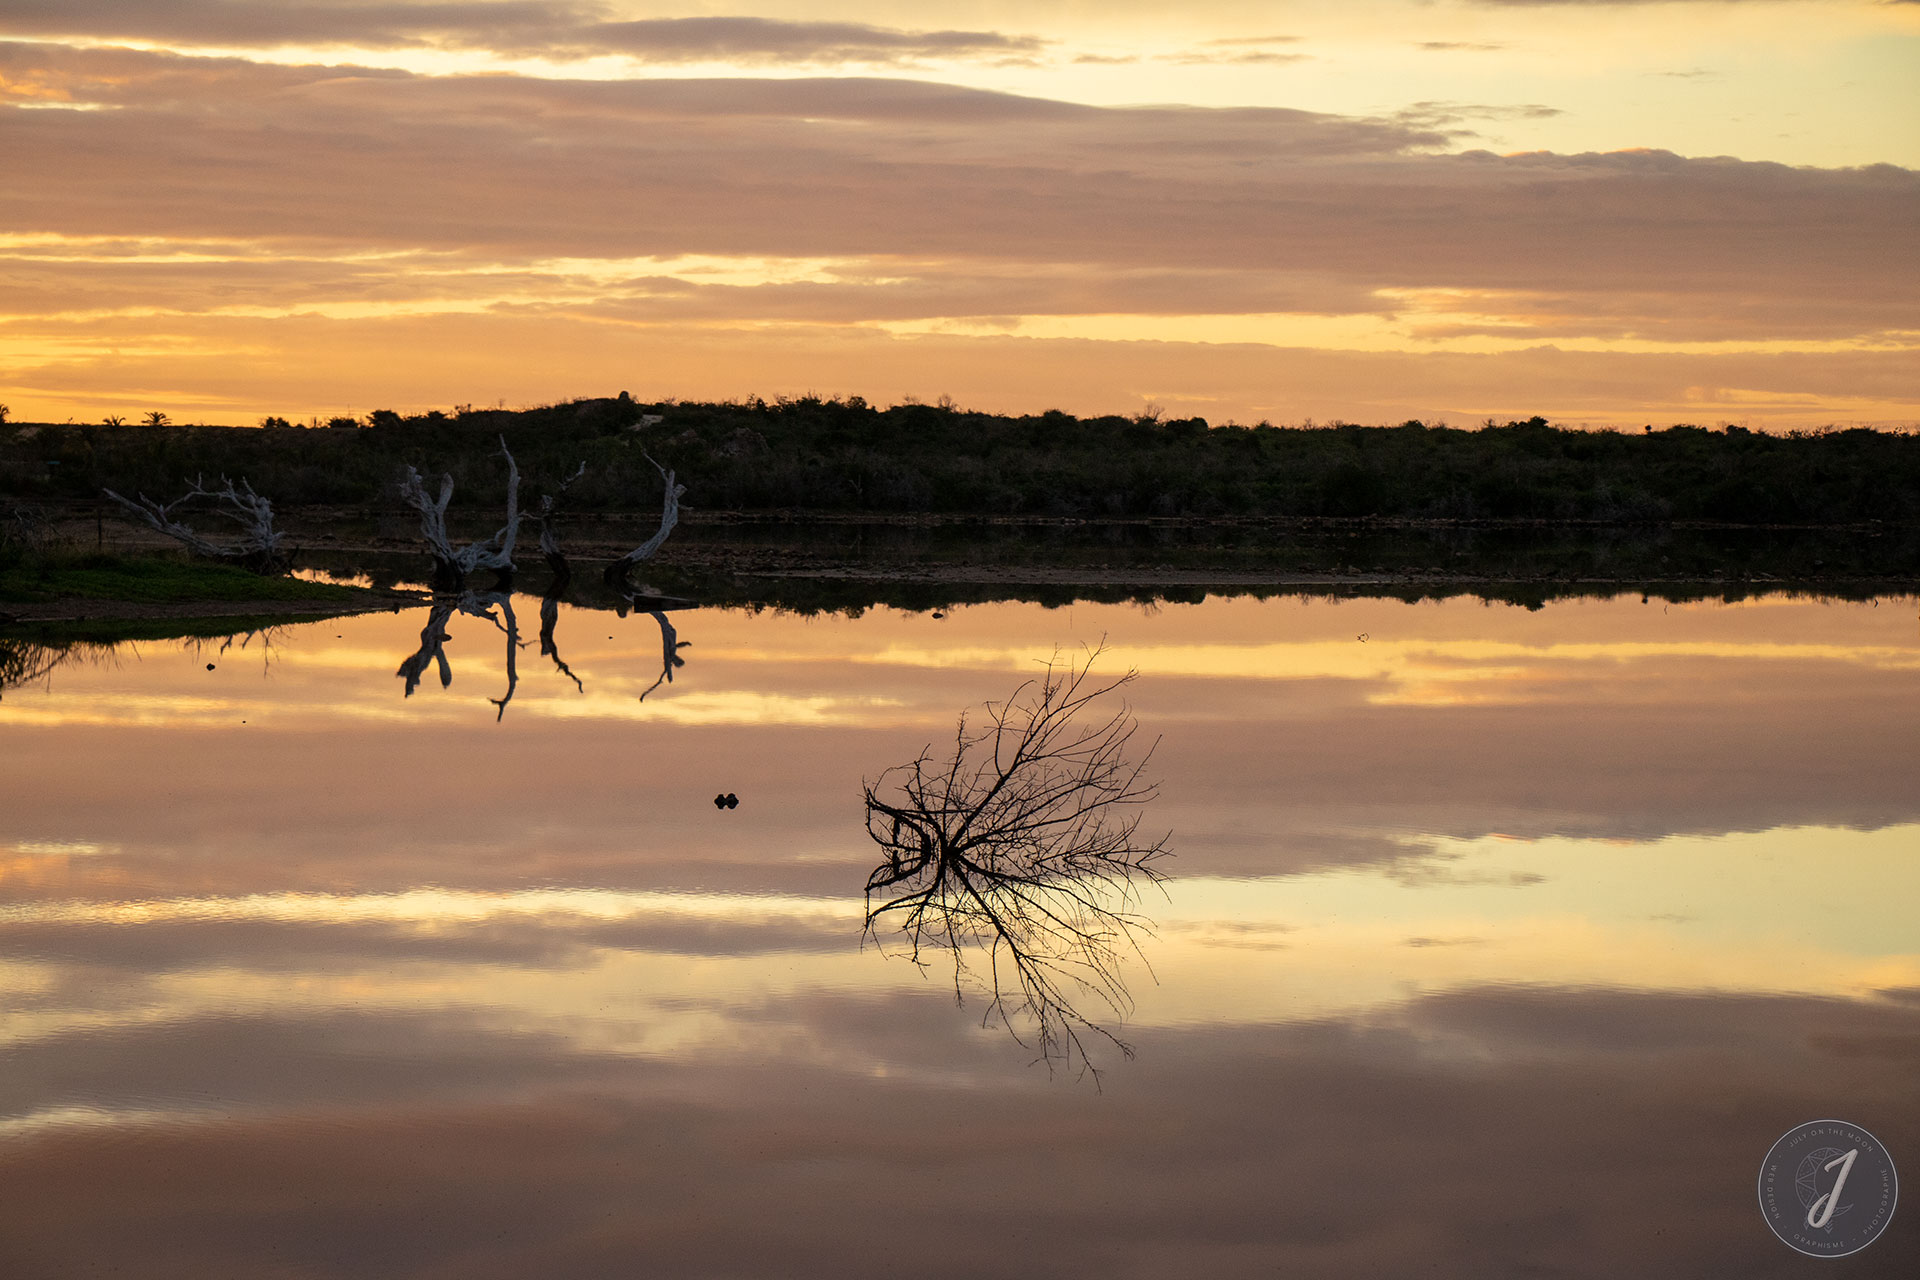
pixel 507 27
pixel 191 187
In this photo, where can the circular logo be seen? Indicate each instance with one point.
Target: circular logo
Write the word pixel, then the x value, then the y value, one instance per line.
pixel 1828 1188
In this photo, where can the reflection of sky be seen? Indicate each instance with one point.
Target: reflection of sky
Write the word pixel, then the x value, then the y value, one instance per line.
pixel 1483 874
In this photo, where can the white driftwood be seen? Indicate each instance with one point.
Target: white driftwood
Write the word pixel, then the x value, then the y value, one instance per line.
pixel 669 517
pixel 259 542
pixel 455 563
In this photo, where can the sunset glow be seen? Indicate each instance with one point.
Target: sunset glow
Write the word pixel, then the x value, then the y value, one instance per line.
pixel 1609 213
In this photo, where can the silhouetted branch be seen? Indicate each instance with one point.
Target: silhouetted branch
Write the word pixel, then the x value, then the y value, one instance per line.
pixel 259 545
pixel 670 646
pixel 1024 843
pixel 433 639
pixel 549 617
pixel 479 608
pixel 434 636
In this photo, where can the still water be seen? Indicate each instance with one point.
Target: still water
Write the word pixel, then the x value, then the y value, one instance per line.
pixel 1493 942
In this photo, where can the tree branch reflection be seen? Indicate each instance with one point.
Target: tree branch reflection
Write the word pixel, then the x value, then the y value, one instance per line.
pixel 1022 847
pixel 434 636
pixel 670 642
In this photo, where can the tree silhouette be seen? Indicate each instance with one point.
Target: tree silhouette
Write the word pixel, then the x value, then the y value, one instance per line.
pixel 1022 848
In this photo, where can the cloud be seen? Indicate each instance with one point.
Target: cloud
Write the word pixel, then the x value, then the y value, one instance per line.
pixel 326 187
pixel 879 167
pixel 1592 4
pixel 514 27
pixel 764 39
pixel 1251 57
pixel 1438 115
pixel 1495 1131
pixel 1458 46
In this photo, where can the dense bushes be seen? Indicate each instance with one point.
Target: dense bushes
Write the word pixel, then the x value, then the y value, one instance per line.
pixel 832 455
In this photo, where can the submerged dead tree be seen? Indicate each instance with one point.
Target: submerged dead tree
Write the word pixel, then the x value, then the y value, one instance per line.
pixel 1022 849
pixel 259 545
pixel 451 564
pixel 616 573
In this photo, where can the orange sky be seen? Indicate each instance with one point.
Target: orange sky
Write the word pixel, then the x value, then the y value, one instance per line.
pixel 1607 213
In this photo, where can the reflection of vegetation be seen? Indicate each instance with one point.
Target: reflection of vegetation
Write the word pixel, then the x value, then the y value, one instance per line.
pixel 1024 844
pixel 23 662
pixel 34 653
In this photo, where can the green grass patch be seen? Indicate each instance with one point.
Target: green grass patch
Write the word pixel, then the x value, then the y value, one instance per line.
pixel 153 580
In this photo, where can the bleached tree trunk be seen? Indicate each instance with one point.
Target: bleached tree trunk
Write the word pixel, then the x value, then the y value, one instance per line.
pixel 451 564
pixel 616 573
pixel 260 545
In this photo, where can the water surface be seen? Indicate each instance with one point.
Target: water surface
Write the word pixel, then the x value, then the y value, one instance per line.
pixel 1496 942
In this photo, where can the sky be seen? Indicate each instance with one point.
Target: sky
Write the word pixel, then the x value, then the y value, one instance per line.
pixel 1608 213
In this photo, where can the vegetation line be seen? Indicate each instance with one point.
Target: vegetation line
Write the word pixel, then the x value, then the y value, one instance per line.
pixel 813 456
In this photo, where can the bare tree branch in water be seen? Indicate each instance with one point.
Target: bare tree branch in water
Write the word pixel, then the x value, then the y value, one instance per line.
pixel 434 636
pixel 1024 844
pixel 616 573
pixel 260 546
pixel 451 564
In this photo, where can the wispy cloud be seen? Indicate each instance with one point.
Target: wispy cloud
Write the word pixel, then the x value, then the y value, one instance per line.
pixel 513 27
pixel 1240 50
pixel 1443 115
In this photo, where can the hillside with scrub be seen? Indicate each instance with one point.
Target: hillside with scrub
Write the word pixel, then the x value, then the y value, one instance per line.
pixel 842 457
